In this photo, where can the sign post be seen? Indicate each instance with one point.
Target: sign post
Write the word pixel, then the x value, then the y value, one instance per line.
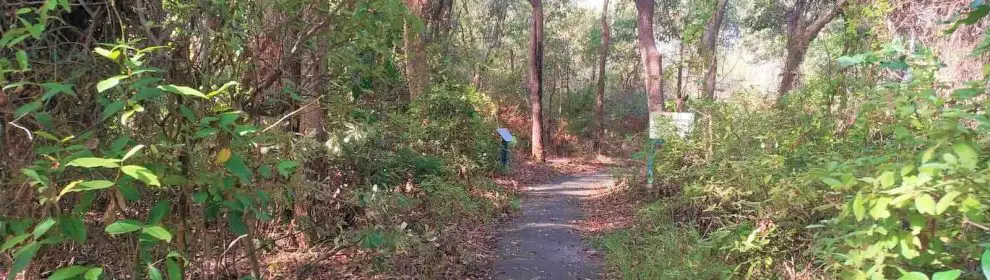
pixel 503 152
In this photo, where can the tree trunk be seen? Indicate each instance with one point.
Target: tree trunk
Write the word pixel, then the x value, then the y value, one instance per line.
pixel 651 59
pixel 792 64
pixel 681 98
pixel 536 78
pixel 600 94
pixel 416 71
pixel 549 124
pixel 800 33
pixel 311 124
pixel 709 51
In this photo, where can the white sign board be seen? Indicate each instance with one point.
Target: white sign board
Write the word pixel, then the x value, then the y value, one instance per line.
pixel 683 123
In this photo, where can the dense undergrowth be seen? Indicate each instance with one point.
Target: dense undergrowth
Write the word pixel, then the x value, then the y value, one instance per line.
pixel 889 183
pixel 127 165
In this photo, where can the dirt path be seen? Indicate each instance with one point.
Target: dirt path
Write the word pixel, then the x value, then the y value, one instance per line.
pixel 545 242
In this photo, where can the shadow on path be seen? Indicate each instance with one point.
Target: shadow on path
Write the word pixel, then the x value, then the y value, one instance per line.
pixel 545 242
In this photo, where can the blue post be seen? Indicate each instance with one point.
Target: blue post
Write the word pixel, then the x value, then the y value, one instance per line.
pixel 503 155
pixel 651 148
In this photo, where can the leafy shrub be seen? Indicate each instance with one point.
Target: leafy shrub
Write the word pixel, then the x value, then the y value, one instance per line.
pixel 895 189
pixel 662 253
pixel 454 122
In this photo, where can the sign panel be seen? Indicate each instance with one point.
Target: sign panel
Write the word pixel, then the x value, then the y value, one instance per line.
pixel 504 133
pixel 683 123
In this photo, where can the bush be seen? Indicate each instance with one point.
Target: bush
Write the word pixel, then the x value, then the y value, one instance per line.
pixel 893 186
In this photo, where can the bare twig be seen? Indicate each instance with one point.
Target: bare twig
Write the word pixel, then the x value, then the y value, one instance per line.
pixel 292 113
pixel 232 243
pixel 966 221
pixel 28 131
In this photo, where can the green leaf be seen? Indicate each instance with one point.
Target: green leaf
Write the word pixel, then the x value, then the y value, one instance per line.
pixel 173 270
pixel 132 152
pixel 31 173
pixel 67 272
pixel 985 263
pixel 245 129
pixel 109 83
pixel 26 109
pixel 187 113
pixel 22 59
pixel 126 187
pixel 53 89
pixel 158 212
pixel 831 182
pixel 846 61
pixel 947 275
pixel 235 165
pixel 43 227
pixel 80 186
pixel 946 201
pixel 112 55
pixel 887 179
pixel 236 222
pixel 22 258
pixel 222 88
pixel 48 136
pixel 879 210
pixel 205 132
pixel 967 93
pixel 228 118
pixel 13 241
pixel 286 167
pixel 859 207
pixel 200 197
pixel 158 232
pixel 182 90
pixel 925 204
pixel 141 173
pixel 124 226
pixel 154 273
pixel 896 65
pixel 93 273
pixel 111 109
pixel 967 155
pixel 265 171
pixel 91 162
pixel 913 276
pixel 74 227
pixel 975 15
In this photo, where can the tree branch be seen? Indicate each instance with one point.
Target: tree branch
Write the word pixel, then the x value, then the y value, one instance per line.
pixel 822 19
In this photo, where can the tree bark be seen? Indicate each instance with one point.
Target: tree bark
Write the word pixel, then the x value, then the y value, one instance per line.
pixel 536 79
pixel 600 94
pixel 651 59
pixel 416 71
pixel 800 33
pixel 681 98
pixel 311 125
pixel 709 51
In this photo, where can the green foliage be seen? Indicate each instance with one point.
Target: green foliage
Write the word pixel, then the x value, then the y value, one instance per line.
pixel 453 122
pixel 94 170
pixel 662 253
pixel 892 184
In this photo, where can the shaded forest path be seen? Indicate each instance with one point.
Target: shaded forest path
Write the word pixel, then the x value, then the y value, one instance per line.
pixel 544 242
